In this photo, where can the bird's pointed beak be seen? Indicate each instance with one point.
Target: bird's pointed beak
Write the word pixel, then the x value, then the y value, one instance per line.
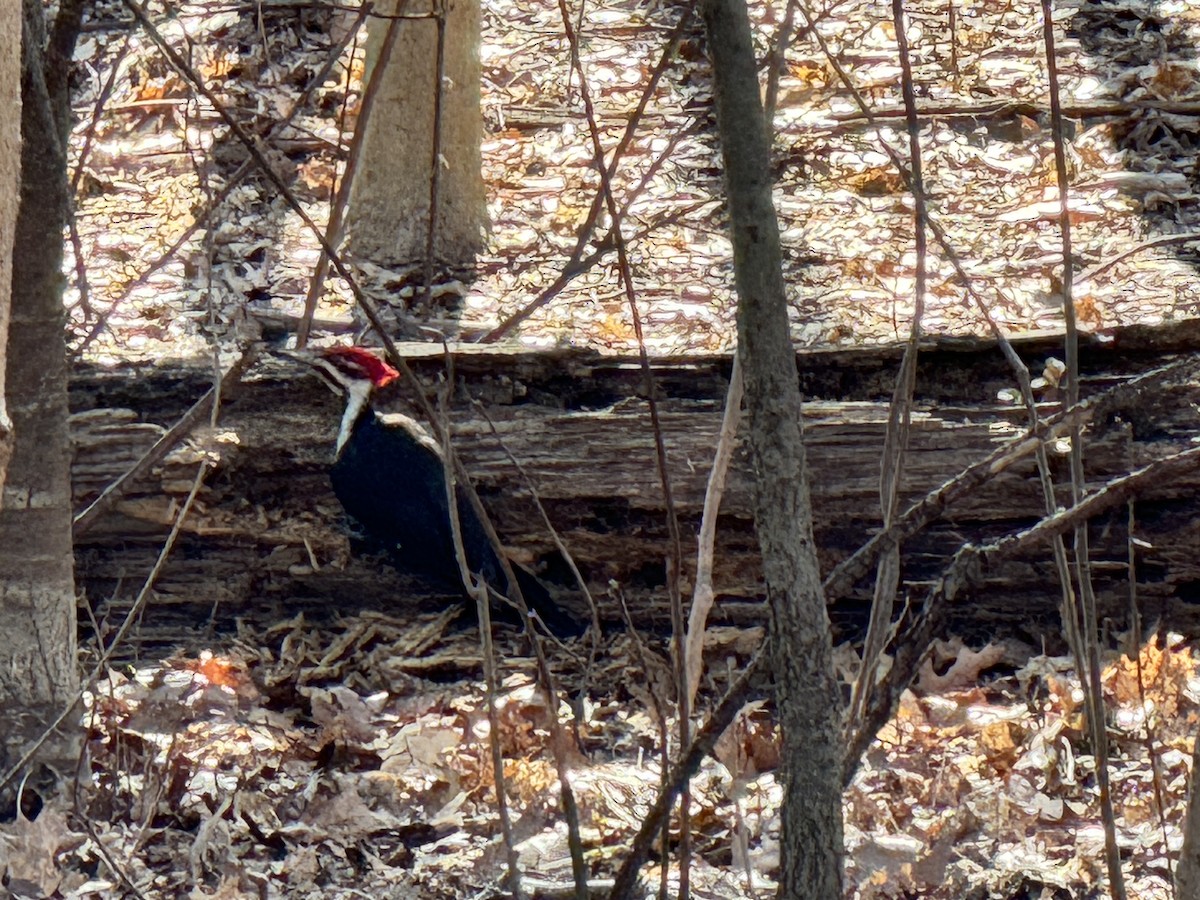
pixel 307 360
pixel 301 356
pixel 313 363
pixel 304 360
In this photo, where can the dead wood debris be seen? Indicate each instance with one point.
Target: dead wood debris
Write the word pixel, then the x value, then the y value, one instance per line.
pixel 307 763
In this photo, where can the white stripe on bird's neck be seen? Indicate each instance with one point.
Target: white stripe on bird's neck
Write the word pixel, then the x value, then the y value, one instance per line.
pixel 358 393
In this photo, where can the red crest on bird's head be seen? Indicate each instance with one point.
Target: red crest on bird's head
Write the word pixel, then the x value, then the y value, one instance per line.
pixel 361 363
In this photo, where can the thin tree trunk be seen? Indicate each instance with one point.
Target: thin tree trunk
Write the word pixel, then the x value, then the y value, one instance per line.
pixel 37 586
pixel 10 170
pixel 1187 872
pixel 806 689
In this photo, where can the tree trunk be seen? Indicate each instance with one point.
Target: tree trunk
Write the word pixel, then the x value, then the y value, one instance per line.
pixel 806 687
pixel 388 216
pixel 37 587
pixel 10 171
pixel 1187 872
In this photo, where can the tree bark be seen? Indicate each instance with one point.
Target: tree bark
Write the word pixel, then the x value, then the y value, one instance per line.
pixel 37 587
pixel 388 215
pixel 1187 872
pixel 10 171
pixel 575 421
pixel 806 687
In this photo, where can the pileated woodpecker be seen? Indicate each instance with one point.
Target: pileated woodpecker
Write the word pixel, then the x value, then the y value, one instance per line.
pixel 388 474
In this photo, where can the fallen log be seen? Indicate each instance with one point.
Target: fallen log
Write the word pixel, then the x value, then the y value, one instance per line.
pixel 267 538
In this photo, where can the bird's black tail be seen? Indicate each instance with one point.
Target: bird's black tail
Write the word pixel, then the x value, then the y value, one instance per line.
pixel 556 619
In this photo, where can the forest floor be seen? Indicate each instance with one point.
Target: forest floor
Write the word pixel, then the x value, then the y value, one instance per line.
pixel 353 761
pixel 151 158
pixel 356 762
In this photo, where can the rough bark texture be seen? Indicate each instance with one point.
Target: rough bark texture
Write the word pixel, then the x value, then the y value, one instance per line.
pixel 388 214
pixel 1187 871
pixel 576 422
pixel 807 694
pixel 37 588
pixel 10 169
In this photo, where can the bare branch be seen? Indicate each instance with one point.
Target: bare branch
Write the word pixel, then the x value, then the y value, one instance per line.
pixel 843 577
pixel 199 410
pixel 675 558
pixel 588 228
pixel 919 623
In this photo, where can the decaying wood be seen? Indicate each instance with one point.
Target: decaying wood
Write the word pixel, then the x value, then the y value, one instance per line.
pixel 268 536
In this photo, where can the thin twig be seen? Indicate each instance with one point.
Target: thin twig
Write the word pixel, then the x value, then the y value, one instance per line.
pixel 144 594
pixel 477 588
pixel 85 152
pixel 88 821
pixel 664 736
pixel 575 263
pixel 656 164
pixel 546 678
pixel 920 622
pixel 1088 630
pixel 1150 741
pixel 164 445
pixel 1166 240
pixel 596 631
pixel 334 227
pixel 844 576
pixel 559 544
pixel 703 596
pixel 675 557
pixel 579 265
pixel 895 444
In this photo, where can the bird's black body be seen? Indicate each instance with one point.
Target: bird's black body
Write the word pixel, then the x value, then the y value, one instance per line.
pixel 389 477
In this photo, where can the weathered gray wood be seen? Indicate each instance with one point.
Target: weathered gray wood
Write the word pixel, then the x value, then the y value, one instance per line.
pixel 267 537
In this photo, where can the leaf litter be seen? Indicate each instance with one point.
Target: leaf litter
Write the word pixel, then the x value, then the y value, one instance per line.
pixel 158 156
pixel 268 770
